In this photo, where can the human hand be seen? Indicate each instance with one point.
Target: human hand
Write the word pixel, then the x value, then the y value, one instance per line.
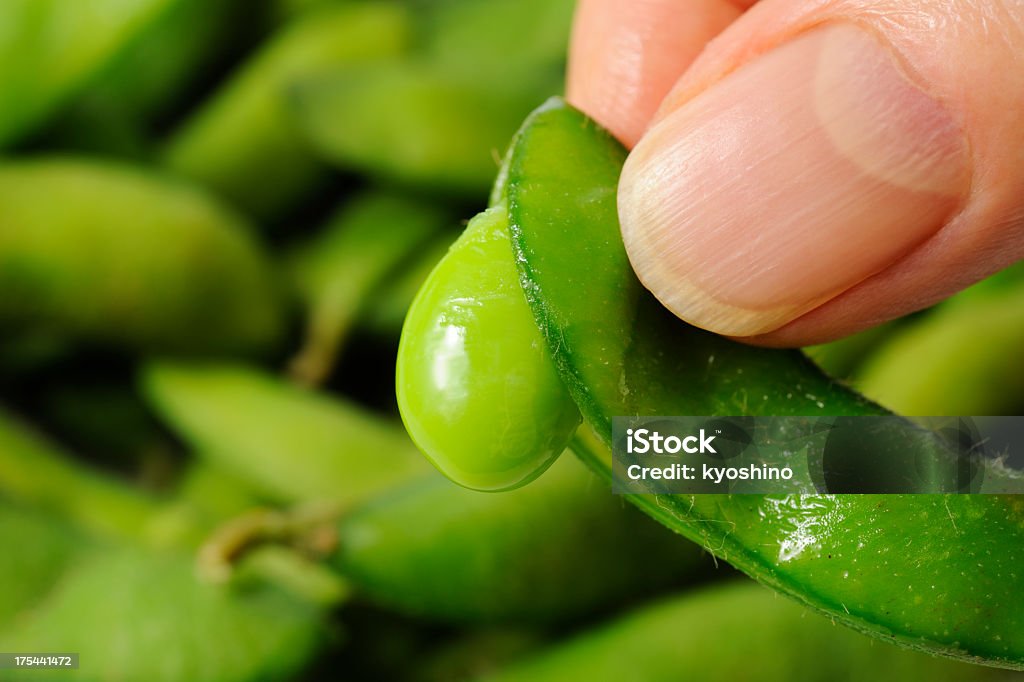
pixel 804 169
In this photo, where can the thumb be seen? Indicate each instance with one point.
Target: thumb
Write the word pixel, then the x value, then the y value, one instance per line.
pixel 826 166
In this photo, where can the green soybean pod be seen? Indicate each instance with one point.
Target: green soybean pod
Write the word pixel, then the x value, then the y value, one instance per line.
pixel 735 632
pixel 558 549
pixel 476 387
pixel 962 359
pixel 242 143
pixel 364 243
pixel 136 615
pixel 50 49
pixel 111 254
pixel 161 62
pixel 495 39
pixel 417 123
pixel 123 106
pixel 287 442
pixel 843 357
pixel 37 551
pixel 620 352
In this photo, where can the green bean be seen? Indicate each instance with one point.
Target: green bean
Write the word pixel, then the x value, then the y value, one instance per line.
pixel 242 143
pixel 286 442
pixel 559 549
pixel 476 387
pixel 361 245
pixel 107 253
pixel 50 49
pixel 733 632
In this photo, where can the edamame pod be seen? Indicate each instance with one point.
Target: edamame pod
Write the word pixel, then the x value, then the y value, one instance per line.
pixel 134 615
pixel 106 253
pixel 412 122
pixel 499 39
pixel 962 359
pixel 242 143
pixel 477 389
pixel 151 72
pixel 558 549
pixel 733 632
pixel 37 551
pixel 287 442
pixel 439 118
pixel 926 571
pixel 49 49
pixel 843 358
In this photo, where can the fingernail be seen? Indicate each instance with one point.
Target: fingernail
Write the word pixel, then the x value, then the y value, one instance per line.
pixel 794 178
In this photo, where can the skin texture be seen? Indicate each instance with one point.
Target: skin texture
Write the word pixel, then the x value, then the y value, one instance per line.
pixel 621 354
pixel 106 253
pixel 436 550
pixel 955 58
pixel 477 390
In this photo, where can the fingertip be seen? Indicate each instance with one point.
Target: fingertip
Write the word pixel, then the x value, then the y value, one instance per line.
pixel 624 57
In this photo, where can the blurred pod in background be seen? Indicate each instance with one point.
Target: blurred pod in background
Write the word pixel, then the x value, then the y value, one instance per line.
pixel 133 615
pixel 104 252
pixel 441 116
pixel 961 358
pixel 148 81
pixel 242 143
pixel 45 549
pixel 50 49
pixel 739 631
pixel 409 539
pixel 557 550
pixel 288 443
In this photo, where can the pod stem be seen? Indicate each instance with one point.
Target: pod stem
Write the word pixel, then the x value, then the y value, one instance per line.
pixel 282 546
